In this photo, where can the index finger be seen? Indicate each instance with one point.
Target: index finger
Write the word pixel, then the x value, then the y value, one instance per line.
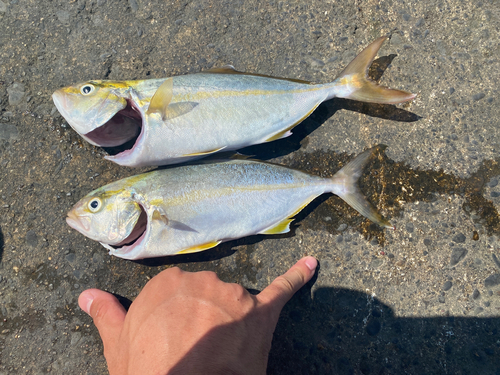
pixel 279 292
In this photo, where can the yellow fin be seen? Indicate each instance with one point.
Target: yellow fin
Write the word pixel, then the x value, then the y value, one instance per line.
pixel 205 152
pixel 161 98
pixel 229 69
pixel 284 225
pixel 365 90
pixel 158 216
pixel 178 109
pixel 282 134
pixel 198 248
pixel 281 227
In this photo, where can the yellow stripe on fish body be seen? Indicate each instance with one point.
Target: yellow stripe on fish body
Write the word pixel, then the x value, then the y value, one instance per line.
pixel 194 207
pixel 185 117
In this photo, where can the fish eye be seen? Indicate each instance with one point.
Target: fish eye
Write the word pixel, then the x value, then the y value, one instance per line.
pixel 87 89
pixel 95 205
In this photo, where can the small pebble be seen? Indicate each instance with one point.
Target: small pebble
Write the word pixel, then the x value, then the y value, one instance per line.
pixel 447 285
pixel 478 96
pixel 31 238
pixel 475 294
pixel 133 5
pixel 495 259
pixel 459 238
pixel 457 255
pixel 492 280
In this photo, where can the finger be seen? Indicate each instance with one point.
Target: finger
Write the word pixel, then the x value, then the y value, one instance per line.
pixel 284 287
pixel 107 312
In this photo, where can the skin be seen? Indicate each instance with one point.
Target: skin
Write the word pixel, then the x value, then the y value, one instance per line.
pixel 193 323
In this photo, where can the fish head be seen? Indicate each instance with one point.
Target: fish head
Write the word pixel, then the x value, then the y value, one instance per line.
pixel 109 217
pixel 100 111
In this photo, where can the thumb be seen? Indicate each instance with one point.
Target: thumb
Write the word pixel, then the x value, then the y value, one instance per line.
pixel 285 286
pixel 107 312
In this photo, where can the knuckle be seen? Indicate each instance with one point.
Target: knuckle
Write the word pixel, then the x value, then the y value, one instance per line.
pixel 101 311
pixel 209 276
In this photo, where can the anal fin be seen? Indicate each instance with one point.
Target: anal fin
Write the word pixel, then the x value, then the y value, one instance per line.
pixel 280 228
pixel 284 225
pixel 205 152
pixel 199 248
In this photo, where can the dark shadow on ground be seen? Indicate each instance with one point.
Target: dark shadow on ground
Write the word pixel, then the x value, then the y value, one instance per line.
pixel 341 331
pixel 326 110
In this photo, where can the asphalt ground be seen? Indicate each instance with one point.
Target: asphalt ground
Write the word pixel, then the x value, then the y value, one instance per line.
pixel 424 298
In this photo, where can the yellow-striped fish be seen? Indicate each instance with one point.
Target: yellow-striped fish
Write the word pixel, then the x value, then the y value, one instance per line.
pixel 185 117
pixel 195 207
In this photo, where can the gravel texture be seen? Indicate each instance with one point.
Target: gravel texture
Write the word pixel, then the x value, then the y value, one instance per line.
pixel 424 298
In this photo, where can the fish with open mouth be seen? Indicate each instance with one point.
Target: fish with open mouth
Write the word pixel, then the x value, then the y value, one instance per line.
pixel 195 207
pixel 175 119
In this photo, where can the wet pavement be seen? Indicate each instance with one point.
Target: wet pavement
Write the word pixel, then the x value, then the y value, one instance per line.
pixel 424 298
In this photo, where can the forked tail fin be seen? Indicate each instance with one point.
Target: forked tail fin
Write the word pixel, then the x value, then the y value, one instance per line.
pixel 353 82
pixel 345 186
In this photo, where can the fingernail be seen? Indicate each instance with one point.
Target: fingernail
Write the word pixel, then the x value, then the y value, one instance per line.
pixel 311 263
pixel 85 301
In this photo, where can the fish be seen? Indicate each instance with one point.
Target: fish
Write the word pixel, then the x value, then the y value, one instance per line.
pixel 181 118
pixel 195 207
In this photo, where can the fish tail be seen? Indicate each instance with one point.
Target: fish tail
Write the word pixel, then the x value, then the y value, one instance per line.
pixel 345 186
pixel 353 82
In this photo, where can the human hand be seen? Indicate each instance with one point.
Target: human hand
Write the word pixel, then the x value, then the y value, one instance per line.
pixel 192 323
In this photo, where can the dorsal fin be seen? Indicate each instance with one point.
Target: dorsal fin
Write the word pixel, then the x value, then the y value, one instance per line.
pixel 229 69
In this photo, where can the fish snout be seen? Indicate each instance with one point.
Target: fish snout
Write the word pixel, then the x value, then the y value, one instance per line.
pixel 59 98
pixel 80 223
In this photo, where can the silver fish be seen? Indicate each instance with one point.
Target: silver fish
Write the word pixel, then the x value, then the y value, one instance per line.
pixel 195 207
pixel 190 116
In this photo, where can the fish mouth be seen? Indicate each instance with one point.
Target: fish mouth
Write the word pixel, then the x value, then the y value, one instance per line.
pixel 135 238
pixel 121 133
pixel 80 223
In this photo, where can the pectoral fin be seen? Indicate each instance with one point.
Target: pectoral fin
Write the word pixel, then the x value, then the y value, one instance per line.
pixel 198 248
pixel 160 217
pixel 161 98
pixel 161 102
pixel 178 109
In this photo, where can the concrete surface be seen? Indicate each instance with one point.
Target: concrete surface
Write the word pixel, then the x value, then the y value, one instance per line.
pixel 422 299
